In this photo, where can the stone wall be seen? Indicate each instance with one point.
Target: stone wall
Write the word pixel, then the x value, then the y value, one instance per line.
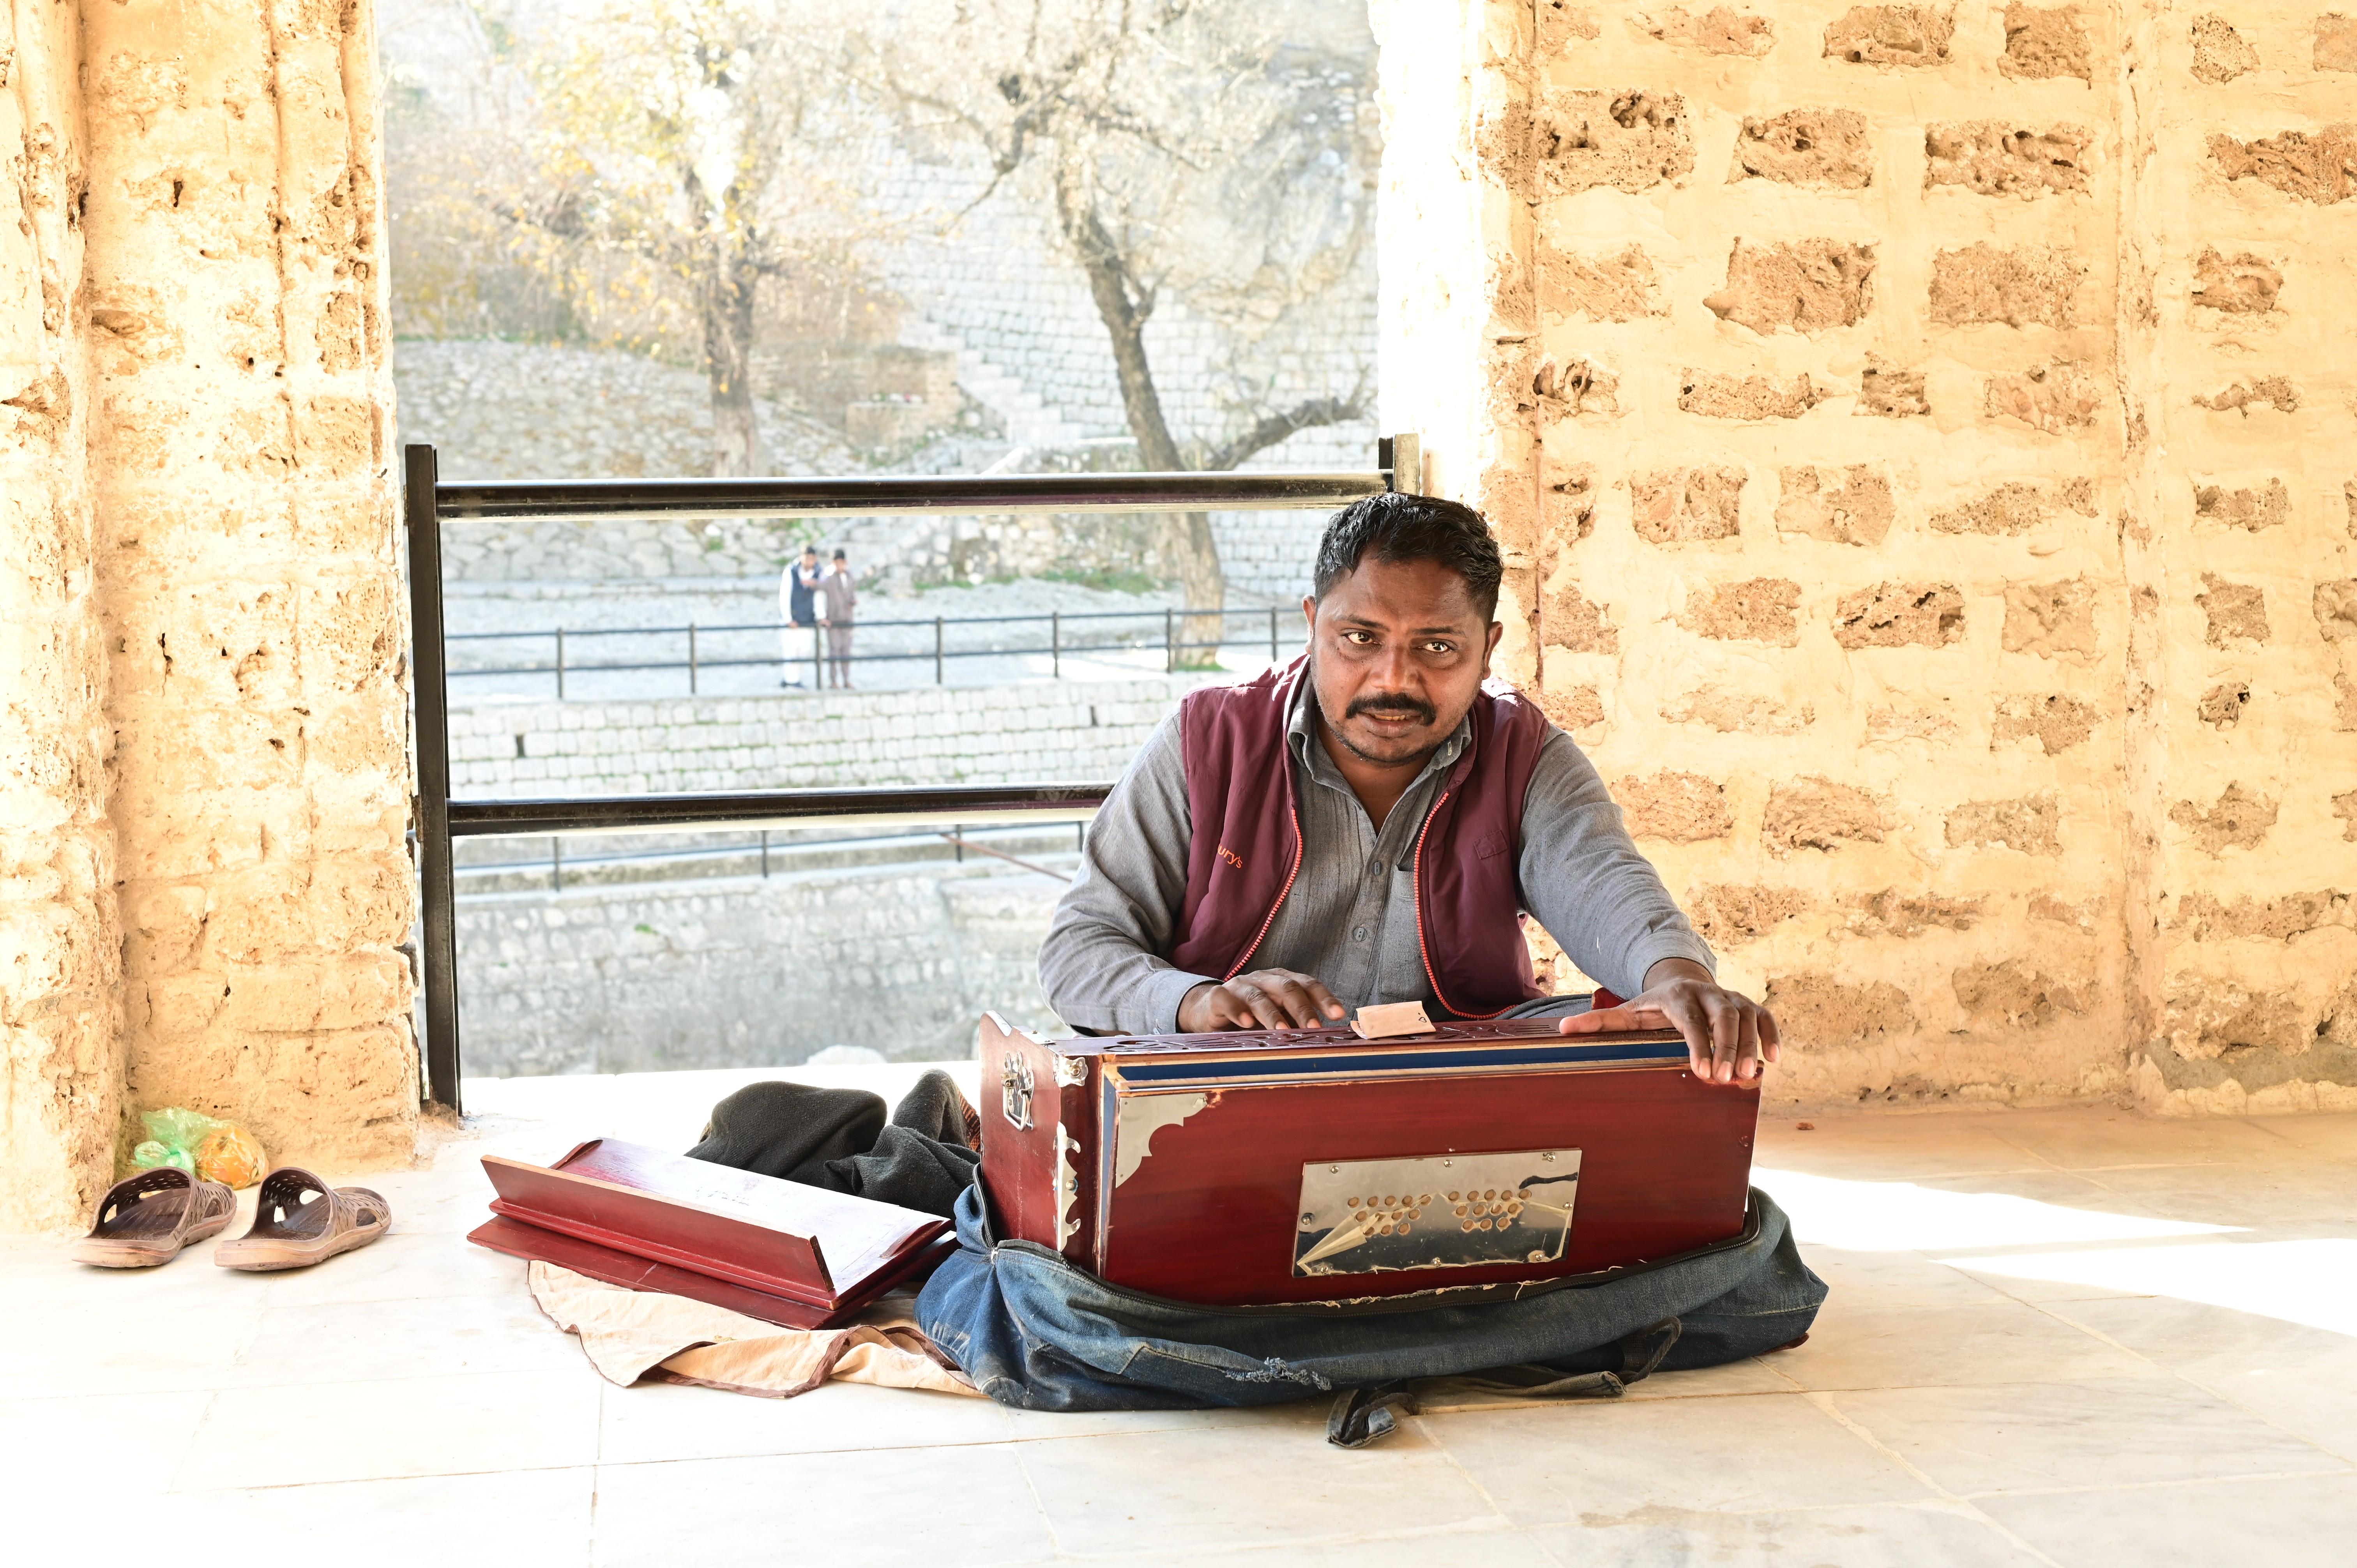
pixel 208 675
pixel 2239 250
pixel 745 971
pixel 60 1011
pixel 1065 731
pixel 1922 436
pixel 981 267
pixel 1263 554
pixel 994 292
pixel 497 410
pixel 501 409
pixel 749 972
pixel 1919 437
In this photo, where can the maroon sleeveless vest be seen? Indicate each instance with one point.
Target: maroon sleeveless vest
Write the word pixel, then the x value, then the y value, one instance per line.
pixel 1246 849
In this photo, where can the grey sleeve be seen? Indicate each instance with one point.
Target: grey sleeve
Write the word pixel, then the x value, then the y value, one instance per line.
pixel 1584 880
pixel 1101 966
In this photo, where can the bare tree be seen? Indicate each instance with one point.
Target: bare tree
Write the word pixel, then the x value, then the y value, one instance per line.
pixel 681 151
pixel 458 112
pixel 1176 147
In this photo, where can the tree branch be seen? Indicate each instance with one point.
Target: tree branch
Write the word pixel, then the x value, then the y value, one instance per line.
pixel 1275 427
pixel 561 220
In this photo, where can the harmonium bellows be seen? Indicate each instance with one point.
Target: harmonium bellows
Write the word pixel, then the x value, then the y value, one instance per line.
pixel 1295 1166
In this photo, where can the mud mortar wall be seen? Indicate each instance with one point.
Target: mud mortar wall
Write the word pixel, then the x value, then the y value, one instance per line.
pixel 2241 351
pixel 61 1062
pixel 207 673
pixel 1921 441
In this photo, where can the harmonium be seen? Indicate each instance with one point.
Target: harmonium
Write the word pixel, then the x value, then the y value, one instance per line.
pixel 1266 1167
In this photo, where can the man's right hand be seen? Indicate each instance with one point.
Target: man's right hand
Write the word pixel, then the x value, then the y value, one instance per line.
pixel 1264 999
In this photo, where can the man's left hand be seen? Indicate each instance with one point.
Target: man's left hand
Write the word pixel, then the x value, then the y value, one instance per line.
pixel 1729 1036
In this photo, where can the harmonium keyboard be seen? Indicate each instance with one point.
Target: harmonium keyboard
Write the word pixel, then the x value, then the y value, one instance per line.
pixel 1298 1165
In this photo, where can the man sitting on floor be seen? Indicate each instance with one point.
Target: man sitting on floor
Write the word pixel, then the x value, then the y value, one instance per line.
pixel 1366 825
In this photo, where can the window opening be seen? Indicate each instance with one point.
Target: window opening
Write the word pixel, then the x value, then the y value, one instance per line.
pixel 979 239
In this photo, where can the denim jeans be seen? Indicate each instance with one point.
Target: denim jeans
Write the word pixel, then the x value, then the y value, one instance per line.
pixel 1033 1331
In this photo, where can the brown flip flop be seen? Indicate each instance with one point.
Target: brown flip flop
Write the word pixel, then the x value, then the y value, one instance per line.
pixel 292 1233
pixel 146 1219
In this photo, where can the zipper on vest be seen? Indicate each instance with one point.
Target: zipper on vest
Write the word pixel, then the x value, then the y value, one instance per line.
pixel 1422 951
pixel 1270 919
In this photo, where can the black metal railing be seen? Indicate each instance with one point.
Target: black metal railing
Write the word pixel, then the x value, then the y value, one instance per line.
pixel 989 495
pixel 427 504
pixel 762 851
pixel 1165 632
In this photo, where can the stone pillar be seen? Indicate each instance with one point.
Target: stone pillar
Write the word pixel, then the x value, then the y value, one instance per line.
pixel 1835 380
pixel 2246 350
pixel 249 585
pixel 61 1056
pixel 240 608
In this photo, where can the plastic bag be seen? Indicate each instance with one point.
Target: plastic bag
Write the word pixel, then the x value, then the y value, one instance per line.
pixel 206 1148
pixel 155 1152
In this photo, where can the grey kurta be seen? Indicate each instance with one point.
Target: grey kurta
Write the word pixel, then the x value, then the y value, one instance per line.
pixel 1349 918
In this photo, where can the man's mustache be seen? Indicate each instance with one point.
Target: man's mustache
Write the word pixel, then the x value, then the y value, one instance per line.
pixel 1391 704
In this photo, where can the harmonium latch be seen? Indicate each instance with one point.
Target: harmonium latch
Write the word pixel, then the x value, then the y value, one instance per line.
pixel 1014 1092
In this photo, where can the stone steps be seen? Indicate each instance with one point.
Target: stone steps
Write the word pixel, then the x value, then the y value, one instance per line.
pixel 1030 421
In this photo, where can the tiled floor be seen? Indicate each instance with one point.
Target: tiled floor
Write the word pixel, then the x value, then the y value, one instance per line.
pixel 2074 1338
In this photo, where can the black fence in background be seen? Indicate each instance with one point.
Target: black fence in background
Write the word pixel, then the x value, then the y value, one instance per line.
pixel 690 647
pixel 427 503
pixel 759 852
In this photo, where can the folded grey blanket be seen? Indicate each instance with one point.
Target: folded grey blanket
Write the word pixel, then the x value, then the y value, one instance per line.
pixel 838 1139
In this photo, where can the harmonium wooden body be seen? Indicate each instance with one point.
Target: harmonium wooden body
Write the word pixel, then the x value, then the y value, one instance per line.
pixel 1296 1166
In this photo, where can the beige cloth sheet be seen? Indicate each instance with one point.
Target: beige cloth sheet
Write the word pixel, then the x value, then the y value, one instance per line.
pixel 629 1335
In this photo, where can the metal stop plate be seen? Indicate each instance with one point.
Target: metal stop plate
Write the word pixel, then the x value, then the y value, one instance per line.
pixel 1434 1211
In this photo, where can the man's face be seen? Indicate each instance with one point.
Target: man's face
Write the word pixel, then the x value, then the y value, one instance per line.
pixel 810 558
pixel 1397 651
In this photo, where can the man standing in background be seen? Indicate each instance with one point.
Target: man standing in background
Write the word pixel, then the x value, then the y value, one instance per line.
pixel 836 600
pixel 797 595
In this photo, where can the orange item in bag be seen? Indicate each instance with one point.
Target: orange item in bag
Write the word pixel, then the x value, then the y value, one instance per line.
pixel 230 1156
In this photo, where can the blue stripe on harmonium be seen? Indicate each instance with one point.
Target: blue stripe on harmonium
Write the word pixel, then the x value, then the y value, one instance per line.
pixel 1164 1070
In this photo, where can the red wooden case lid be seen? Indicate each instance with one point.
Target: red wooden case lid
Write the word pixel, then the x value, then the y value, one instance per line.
pixel 798 1241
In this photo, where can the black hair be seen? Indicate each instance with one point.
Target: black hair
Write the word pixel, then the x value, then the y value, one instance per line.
pixel 840 557
pixel 1400 529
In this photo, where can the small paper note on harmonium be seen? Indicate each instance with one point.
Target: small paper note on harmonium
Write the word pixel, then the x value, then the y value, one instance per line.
pixel 1389 1019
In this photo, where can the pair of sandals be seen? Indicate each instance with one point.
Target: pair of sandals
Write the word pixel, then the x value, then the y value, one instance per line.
pixel 298 1220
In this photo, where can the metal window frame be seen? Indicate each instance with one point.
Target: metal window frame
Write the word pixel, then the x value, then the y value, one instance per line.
pixel 427 503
